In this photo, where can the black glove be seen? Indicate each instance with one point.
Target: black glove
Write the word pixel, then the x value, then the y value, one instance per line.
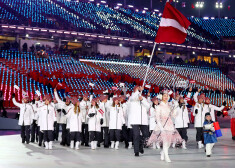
pixel 196 111
pixel 34 122
pixel 13 95
pixel 91 114
pixel 91 91
pixel 59 110
pixel 224 103
pixel 33 101
pixel 63 111
pixel 101 121
pixel 219 113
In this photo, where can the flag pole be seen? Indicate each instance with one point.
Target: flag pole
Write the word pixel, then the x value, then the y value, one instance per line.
pixel 149 63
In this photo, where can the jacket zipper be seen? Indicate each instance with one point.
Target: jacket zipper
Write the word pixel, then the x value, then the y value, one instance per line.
pixel 141 112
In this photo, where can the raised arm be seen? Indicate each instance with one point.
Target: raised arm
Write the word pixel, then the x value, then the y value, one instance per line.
pixel 16 103
pixel 57 97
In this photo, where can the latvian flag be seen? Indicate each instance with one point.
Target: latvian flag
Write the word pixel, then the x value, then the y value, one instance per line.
pixel 187 98
pixel 172 26
pixel 192 81
pixel 101 111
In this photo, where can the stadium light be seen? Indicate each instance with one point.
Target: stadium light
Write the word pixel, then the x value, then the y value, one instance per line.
pixel 199 4
pixel 27 35
pixel 219 5
pixel 193 52
pixel 130 6
pixel 156 10
pixel 119 4
pixel 146 9
pixel 120 45
pixel 103 2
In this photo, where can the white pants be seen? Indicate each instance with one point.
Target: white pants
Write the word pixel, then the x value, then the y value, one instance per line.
pixel 209 147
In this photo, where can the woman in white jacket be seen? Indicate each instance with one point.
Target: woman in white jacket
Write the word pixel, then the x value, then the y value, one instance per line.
pixel 75 123
pixel 26 117
pixel 95 120
pixel 47 116
pixel 182 120
pixel 115 123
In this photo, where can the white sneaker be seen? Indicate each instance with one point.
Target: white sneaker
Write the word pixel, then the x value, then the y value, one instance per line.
pixel 130 145
pixel 173 145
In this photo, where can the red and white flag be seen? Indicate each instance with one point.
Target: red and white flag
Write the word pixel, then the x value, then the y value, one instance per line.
pixel 192 81
pixel 187 98
pixel 101 111
pixel 172 26
pixel 114 88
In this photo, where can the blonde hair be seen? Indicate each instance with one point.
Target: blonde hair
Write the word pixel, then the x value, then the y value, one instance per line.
pixel 76 108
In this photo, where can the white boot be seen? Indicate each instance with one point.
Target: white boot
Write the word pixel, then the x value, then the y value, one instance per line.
pixel 92 145
pixel 46 145
pixel 200 145
pixel 112 144
pixel 95 144
pixel 162 155
pixel 116 145
pixel 158 146
pixel 173 145
pixel 184 145
pixel 130 145
pixel 77 145
pixel 50 145
pixel 72 144
pixel 167 159
pixel 154 145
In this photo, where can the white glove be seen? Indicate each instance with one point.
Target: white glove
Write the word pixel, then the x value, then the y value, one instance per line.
pixel 207 126
pixel 212 129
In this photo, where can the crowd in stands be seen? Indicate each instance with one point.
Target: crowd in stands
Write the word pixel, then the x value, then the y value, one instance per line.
pixel 89 17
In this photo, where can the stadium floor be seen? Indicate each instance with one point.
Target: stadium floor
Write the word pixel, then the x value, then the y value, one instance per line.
pixel 14 154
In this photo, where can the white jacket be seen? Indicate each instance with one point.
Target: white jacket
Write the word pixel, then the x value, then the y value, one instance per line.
pixel 181 119
pixel 211 109
pixel 67 109
pixel 83 104
pixel 26 113
pixel 60 117
pixel 75 120
pixel 47 117
pixel 200 116
pixel 138 110
pixel 94 122
pixel 116 118
pixel 106 109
